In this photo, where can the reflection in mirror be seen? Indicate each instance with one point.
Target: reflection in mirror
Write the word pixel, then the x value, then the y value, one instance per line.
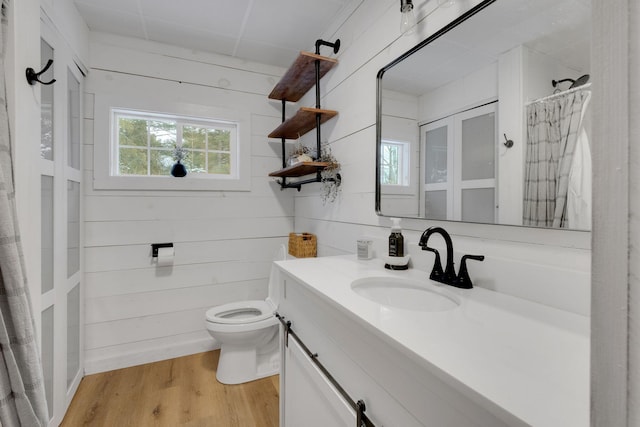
pixel 489 122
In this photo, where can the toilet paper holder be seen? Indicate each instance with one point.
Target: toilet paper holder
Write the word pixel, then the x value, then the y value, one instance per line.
pixel 156 246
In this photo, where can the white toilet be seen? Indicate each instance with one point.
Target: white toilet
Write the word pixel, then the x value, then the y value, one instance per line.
pixel 248 335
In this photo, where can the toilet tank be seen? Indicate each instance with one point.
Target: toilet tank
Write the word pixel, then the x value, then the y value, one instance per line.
pixel 274 291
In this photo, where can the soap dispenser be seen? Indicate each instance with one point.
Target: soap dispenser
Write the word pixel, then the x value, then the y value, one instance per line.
pixel 396 240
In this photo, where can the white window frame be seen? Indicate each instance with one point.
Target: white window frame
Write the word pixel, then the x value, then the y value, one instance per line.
pixel 106 146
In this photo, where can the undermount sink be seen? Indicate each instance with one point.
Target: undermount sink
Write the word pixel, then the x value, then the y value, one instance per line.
pixel 404 293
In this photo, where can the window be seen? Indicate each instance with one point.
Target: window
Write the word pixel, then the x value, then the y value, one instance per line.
pixel 135 138
pixel 395 163
pixel 144 144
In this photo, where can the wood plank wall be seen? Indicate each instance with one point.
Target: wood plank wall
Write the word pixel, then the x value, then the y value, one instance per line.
pixel 224 241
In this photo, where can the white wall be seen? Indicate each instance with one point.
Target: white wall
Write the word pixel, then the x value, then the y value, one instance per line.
pixel 224 241
pixel 370 40
pixel 474 89
pixel 615 326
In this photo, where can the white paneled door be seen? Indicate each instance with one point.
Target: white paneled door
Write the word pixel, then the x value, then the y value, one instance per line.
pixel 61 231
pixel 459 168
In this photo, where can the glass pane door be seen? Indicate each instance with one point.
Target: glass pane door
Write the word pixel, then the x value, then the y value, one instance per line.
pixel 476 179
pixel 458 177
pixel 437 166
pixel 47 226
pixel 61 219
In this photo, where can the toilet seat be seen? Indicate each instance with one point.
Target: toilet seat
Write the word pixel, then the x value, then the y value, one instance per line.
pixel 242 312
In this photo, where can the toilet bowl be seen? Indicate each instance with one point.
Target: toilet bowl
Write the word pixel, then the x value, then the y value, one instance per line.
pixel 248 335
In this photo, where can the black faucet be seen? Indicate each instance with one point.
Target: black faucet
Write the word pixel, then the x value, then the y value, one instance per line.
pixel 448 276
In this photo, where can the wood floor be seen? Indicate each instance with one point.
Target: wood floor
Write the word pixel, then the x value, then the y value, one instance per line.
pixel 176 392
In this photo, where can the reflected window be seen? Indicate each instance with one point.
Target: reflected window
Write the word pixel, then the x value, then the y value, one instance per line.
pixel 395 163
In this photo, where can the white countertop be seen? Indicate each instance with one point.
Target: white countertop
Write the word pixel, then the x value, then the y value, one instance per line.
pixel 527 359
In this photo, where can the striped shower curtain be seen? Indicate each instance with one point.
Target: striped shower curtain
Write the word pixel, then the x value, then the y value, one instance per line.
pixel 552 132
pixel 22 395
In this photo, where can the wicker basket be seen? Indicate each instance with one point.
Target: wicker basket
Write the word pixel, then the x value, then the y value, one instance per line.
pixel 302 245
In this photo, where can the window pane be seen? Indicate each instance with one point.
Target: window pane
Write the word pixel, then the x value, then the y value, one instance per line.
pixel 162 133
pixel 194 137
pixel 47 355
pixel 161 162
pixel 219 140
pixel 436 155
pixel 73 334
pixel 46 230
pixel 478 147
pixel 133 161
pixel 73 227
pixel 196 162
pixel 220 163
pixel 132 132
pixel 478 205
pixel 390 164
pixel 146 144
pixel 435 204
pixel 73 159
pixel 46 105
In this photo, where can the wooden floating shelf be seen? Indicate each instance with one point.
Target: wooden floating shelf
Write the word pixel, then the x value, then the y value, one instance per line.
pixel 301 123
pixel 301 76
pixel 300 169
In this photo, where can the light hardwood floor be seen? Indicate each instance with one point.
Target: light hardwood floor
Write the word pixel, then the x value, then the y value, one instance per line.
pixel 176 392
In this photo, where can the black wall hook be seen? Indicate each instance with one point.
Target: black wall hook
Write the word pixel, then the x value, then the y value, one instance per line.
pixel 33 77
pixel 507 142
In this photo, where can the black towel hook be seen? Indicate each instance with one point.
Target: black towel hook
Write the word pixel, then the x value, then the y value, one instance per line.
pixel 33 77
pixel 507 142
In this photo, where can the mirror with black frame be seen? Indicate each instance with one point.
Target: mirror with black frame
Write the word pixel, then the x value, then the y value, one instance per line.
pixel 487 121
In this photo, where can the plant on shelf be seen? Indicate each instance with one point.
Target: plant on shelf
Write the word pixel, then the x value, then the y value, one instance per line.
pixel 300 153
pixel 178 169
pixel 330 176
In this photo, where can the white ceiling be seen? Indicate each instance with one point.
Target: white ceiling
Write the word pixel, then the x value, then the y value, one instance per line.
pixel 266 31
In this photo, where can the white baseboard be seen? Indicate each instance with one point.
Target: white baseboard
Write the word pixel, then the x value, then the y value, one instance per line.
pixel 154 354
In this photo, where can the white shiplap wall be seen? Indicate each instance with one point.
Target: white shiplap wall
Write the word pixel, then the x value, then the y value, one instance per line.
pixel 224 241
pixel 371 39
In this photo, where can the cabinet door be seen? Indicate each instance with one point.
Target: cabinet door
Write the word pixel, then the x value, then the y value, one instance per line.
pixel 310 400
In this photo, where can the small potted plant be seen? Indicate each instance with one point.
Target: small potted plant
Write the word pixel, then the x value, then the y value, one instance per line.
pixel 330 176
pixel 300 153
pixel 178 169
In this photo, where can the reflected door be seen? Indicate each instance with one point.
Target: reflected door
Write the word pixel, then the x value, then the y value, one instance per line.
pixel 436 195
pixel 476 177
pixel 458 177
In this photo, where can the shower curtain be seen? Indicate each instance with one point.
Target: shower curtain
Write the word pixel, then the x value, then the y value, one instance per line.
pixel 553 127
pixel 22 395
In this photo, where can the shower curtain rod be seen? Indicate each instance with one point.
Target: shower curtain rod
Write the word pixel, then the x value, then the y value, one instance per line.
pixel 556 95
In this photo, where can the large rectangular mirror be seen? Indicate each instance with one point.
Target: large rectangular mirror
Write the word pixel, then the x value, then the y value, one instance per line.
pixel 487 120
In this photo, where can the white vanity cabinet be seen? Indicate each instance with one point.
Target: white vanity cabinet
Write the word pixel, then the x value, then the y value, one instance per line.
pixel 399 389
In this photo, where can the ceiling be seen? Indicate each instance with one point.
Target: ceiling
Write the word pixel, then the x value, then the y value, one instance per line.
pixel 265 31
